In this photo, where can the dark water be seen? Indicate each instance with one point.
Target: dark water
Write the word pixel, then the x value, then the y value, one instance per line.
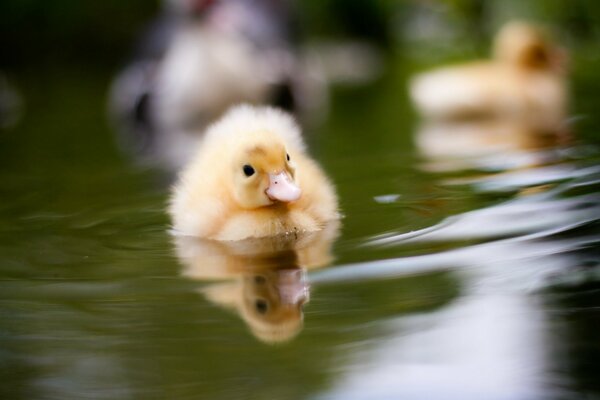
pixel 446 281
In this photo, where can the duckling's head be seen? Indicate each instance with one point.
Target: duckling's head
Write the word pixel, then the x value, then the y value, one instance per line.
pixel 263 145
pixel 527 46
pixel 263 173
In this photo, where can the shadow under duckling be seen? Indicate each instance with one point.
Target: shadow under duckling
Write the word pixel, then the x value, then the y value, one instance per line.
pixel 525 79
pixel 251 177
pixel 266 278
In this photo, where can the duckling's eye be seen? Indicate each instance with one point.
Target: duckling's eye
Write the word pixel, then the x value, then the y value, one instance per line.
pixel 287 156
pixel 261 306
pixel 248 170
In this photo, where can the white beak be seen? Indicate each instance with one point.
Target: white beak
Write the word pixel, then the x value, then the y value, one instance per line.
pixel 282 188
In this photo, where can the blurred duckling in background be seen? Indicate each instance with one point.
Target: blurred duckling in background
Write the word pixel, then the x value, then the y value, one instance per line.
pixel 201 58
pixel 251 177
pixel 264 279
pixel 525 79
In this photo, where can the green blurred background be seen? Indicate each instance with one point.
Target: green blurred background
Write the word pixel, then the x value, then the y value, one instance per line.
pixel 72 48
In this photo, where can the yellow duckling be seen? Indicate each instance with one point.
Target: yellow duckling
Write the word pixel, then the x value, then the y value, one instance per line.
pixel 525 79
pixel 251 177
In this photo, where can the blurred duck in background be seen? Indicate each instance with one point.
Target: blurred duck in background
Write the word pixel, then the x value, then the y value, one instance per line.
pixel 262 280
pixel 525 80
pixel 202 57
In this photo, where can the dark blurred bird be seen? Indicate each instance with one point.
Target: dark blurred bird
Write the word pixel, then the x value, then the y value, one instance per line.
pixel 199 58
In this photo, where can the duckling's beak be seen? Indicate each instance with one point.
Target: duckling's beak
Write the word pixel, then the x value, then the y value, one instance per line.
pixel 282 188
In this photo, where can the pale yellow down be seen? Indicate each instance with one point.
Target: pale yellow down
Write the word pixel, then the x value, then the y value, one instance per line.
pixel 214 199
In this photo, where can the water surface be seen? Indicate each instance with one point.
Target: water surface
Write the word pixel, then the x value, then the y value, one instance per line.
pixel 445 281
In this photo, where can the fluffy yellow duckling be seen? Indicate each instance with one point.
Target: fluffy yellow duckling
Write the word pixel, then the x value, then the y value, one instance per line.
pixel 251 177
pixel 524 79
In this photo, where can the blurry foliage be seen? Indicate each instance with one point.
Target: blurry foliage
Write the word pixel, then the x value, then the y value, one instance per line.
pixel 456 25
pixel 101 33
pixel 347 18
pixel 94 33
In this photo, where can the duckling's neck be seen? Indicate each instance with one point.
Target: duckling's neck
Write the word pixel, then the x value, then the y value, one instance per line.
pixel 278 207
pixel 271 220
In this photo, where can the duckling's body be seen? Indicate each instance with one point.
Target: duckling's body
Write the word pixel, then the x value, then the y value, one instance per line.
pixel 286 192
pixel 525 79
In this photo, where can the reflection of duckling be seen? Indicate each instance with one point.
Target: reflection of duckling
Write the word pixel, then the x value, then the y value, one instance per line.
pixel 492 137
pixel 270 303
pixel 525 79
pixel 252 178
pixel 268 287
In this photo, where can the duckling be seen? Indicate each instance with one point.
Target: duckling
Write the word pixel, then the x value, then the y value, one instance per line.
pixel 251 177
pixel 524 79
